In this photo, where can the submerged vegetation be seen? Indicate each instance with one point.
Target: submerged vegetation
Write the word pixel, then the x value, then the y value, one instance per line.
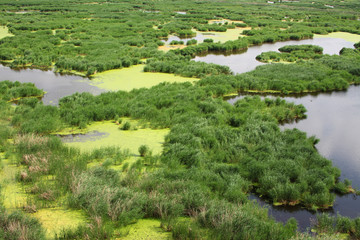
pixel 195 177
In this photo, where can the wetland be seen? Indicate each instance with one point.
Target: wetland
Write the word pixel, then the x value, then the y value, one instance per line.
pixel 151 150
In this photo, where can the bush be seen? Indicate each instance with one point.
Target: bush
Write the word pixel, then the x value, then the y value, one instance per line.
pixel 143 150
pixel 126 126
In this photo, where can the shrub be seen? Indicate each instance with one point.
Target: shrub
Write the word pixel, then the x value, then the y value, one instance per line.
pixel 126 126
pixel 143 150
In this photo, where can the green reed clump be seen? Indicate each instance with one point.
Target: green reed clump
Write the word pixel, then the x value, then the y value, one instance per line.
pixel 27 119
pixel 144 150
pixel 234 221
pixel 187 229
pixel 43 156
pixel 15 90
pixel 17 225
pixel 328 224
pixel 292 53
pixel 99 192
pixel 126 126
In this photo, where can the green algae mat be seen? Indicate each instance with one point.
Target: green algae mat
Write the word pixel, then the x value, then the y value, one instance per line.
pixel 343 35
pixel 107 133
pixel 144 229
pixel 4 32
pixel 127 79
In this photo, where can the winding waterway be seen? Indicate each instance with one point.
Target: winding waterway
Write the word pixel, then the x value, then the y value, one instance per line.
pixel 246 61
pixel 332 117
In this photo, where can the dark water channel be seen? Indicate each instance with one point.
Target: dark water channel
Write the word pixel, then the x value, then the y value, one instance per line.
pixel 246 61
pixel 56 85
pixel 334 119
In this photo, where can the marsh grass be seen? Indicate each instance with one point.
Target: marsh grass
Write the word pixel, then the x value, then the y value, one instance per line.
pixel 327 224
pixel 17 225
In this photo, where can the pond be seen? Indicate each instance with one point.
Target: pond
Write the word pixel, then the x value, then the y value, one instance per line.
pixel 55 85
pixel 334 119
pixel 246 61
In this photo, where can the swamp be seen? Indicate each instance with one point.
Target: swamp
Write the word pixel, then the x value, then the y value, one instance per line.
pixel 179 119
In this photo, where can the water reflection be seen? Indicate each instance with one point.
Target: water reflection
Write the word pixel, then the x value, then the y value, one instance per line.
pixel 245 62
pixel 333 118
pixel 55 85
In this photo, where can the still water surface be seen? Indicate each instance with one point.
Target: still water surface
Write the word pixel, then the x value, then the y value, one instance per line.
pixel 334 119
pixel 56 85
pixel 246 61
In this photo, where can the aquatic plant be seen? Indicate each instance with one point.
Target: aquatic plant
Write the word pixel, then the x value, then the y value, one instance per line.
pixel 17 225
pixel 143 150
pixel 126 126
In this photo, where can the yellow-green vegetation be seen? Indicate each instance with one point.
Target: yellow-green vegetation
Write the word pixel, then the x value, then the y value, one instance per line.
pixel 212 21
pixel 133 77
pixel 4 32
pixel 144 229
pixel 54 220
pixel 15 197
pixel 229 35
pixel 343 35
pixel 112 135
pixel 13 194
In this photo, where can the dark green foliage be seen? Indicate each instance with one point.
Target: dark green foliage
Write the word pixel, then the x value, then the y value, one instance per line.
pixel 357 45
pixel 171 63
pixel 10 91
pixel 27 117
pixel 343 187
pixel 305 48
pixel 233 222
pixel 338 224
pixel 191 42
pixel 175 42
pixel 182 230
pixel 126 126
pixel 292 53
pixel 143 150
